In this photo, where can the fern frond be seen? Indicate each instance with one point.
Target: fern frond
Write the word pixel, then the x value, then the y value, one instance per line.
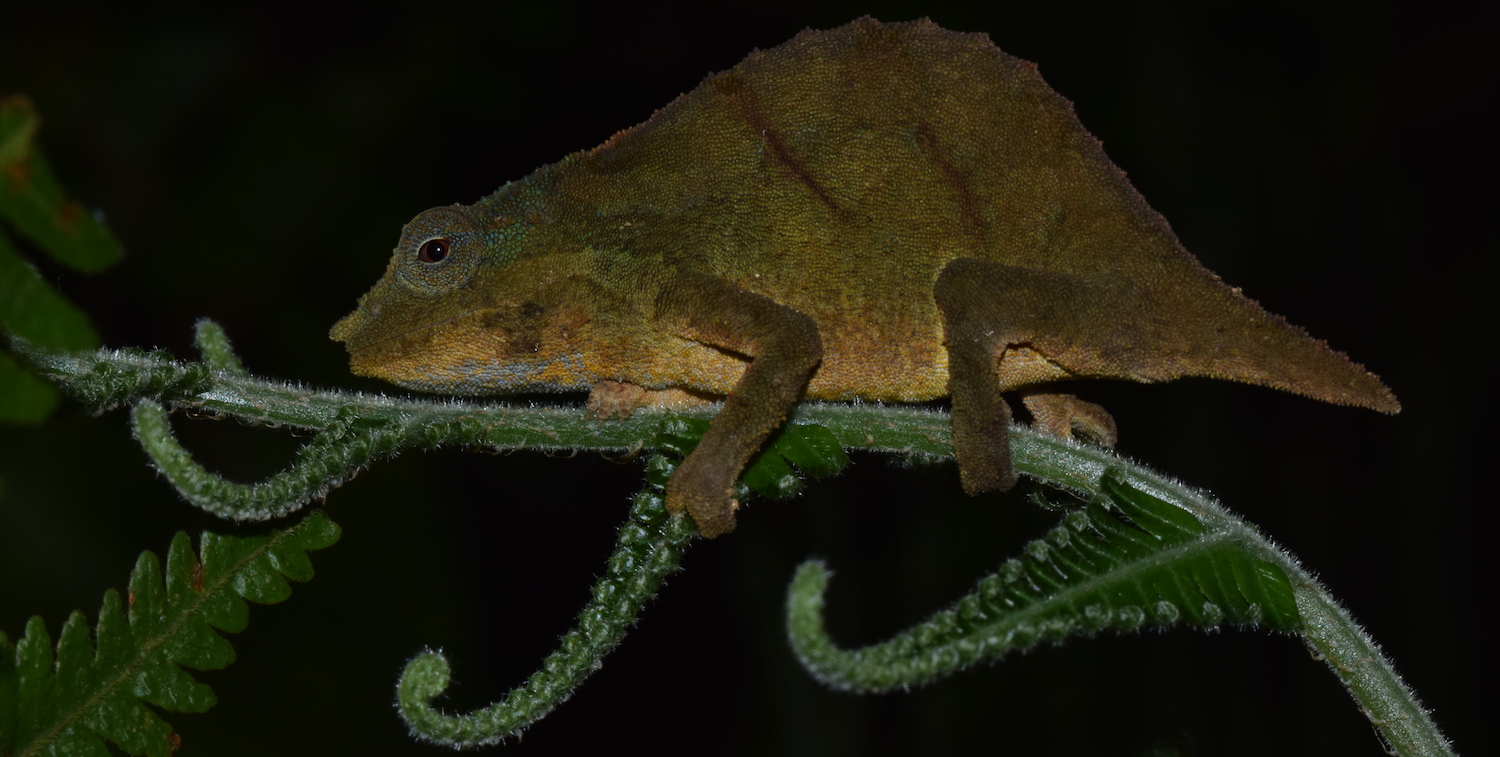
pixel 70 703
pixel 358 429
pixel 34 205
pixel 34 202
pixel 1123 561
pixel 648 549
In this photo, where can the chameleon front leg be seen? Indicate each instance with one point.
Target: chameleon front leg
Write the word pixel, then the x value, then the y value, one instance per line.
pixel 989 309
pixel 783 346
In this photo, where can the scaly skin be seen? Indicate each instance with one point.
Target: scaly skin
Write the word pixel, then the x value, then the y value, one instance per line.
pixel 881 211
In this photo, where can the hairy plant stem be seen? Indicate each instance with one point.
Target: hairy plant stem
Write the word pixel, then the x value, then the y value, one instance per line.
pixel 649 547
pixel 110 378
pixel 1328 629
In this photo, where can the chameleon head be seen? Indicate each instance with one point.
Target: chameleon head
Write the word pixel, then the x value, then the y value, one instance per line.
pixel 398 332
pixel 460 311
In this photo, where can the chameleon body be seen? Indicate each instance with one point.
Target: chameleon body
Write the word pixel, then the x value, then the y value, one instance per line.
pixel 890 212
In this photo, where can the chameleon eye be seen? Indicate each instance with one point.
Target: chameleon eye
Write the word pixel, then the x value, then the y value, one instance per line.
pixel 433 251
pixel 439 251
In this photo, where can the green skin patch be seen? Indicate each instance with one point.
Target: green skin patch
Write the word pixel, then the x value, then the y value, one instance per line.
pixel 889 212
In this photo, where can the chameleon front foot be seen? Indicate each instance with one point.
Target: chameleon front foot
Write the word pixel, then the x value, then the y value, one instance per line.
pixel 702 493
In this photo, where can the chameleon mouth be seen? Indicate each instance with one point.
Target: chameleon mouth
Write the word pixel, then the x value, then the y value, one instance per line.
pixel 361 334
pixel 430 356
pixel 351 324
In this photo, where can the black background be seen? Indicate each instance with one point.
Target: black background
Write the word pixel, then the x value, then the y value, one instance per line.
pixel 1327 157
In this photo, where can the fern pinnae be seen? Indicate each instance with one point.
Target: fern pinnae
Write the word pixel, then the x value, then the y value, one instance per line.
pixel 213 342
pixel 68 704
pixel 109 378
pixel 1098 571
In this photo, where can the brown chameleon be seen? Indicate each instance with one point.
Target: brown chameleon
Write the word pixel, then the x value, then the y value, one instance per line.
pixel 891 212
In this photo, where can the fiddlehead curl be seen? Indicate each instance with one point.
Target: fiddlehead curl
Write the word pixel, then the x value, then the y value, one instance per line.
pixel 648 548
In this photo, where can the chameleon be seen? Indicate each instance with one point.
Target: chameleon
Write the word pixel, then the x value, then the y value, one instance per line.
pixel 878 212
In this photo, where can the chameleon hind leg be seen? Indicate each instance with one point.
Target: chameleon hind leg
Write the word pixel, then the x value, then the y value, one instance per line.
pixel 1062 414
pixel 1008 327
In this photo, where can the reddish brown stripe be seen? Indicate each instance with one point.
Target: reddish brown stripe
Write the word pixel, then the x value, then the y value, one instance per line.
pixel 731 85
pixel 968 202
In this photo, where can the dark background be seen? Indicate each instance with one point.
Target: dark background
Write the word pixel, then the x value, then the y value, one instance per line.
pixel 1326 157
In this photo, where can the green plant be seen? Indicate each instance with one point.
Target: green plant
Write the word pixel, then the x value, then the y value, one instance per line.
pixel 1133 551
pixel 90 691
pixel 34 205
pixel 1141 551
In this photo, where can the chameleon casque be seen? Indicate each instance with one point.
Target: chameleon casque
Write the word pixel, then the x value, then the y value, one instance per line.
pixel 891 212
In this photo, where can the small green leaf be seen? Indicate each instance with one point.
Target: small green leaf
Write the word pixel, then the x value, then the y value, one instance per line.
pixel 31 308
pixel 812 448
pixel 1152 514
pixel 771 476
pixel 680 435
pixel 33 201
pixel 659 470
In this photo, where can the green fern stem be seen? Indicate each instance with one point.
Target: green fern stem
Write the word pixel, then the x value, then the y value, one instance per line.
pixel 1129 559
pixel 1333 636
pixel 109 378
pixel 649 547
pixel 331 458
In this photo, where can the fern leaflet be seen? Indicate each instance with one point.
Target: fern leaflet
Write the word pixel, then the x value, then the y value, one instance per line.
pixel 70 703
pixel 1125 560
pixel 34 206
